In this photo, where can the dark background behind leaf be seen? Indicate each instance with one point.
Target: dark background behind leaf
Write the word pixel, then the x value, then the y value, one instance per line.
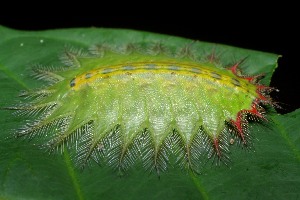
pixel 273 33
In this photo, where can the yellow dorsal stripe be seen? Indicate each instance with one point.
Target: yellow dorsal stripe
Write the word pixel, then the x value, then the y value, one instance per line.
pixel 158 68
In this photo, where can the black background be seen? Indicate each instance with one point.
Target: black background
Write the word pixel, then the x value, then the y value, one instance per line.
pixel 271 33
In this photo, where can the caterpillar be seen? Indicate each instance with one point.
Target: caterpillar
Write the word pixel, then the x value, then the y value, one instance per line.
pixel 142 103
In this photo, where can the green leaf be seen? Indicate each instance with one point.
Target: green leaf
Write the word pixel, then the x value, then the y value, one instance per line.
pixel 26 172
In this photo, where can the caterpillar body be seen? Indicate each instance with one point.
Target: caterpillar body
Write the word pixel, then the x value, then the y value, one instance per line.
pixel 117 107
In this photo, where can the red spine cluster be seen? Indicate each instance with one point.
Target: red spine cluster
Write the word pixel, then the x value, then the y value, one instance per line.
pixel 256 110
pixel 240 124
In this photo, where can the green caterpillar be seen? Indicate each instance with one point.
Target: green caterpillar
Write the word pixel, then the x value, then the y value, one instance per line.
pixel 142 103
